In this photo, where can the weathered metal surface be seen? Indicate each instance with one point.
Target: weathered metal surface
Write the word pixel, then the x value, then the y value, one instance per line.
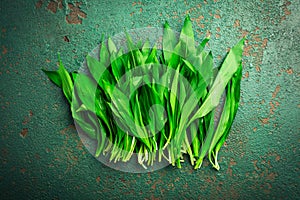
pixel 41 153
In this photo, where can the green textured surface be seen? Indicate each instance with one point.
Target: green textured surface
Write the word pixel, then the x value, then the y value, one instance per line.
pixel 41 153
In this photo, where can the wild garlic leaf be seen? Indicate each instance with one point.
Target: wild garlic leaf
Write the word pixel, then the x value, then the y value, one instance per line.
pixel 228 68
pixel 66 81
pixel 187 39
pixel 54 77
pixel 169 42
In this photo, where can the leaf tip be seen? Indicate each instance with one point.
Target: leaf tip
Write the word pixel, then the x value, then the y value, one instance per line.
pixel 187 17
pixel 166 25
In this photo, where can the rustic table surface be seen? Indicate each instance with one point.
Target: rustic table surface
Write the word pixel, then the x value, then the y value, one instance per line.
pixel 42 156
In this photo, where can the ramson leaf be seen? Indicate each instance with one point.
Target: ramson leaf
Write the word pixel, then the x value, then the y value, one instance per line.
pixel 228 68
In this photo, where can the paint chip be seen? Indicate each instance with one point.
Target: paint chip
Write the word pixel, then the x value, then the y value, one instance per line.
pixel 66 39
pixel 4 50
pixel 276 91
pixel 24 132
pixel 217 16
pixel 264 43
pixel 290 71
pixel 265 120
pixel 39 4
pixel 76 14
pixel 98 179
pixel 236 23
pixel 52 6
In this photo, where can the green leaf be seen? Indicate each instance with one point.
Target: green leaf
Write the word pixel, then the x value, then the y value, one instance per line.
pixel 117 65
pixel 54 77
pixel 189 65
pixel 207 141
pixel 202 45
pixel 85 88
pixel 66 81
pixel 228 68
pixel 207 69
pixel 169 42
pixel 96 68
pixel 234 95
pixel 111 46
pixel 187 38
pixel 104 54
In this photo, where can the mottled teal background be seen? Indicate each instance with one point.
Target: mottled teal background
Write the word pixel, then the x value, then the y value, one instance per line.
pixel 41 153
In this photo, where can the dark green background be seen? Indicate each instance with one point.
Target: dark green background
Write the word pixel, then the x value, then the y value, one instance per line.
pixel 41 153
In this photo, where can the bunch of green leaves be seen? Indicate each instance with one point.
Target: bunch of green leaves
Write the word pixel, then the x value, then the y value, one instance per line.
pixel 163 117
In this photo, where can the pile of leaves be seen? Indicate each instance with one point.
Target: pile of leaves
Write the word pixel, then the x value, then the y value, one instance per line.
pixel 156 104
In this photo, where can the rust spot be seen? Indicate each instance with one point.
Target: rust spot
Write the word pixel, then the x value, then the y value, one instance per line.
pixel 3 30
pixel 131 14
pixel 155 183
pixel 265 120
pixel 254 129
pixel 256 37
pixel 247 74
pixel 98 179
pixel 247 49
pixel 236 23
pixel 285 9
pixel 48 60
pixel 22 170
pixel 272 108
pixel 209 180
pixel 66 39
pixel 276 91
pixel 70 127
pixel 76 14
pixel 218 29
pixel 232 162
pixel 4 50
pixel 277 158
pixel 290 71
pixel 141 9
pixel 257 68
pixel 271 176
pixel 264 43
pixel 39 4
pixel 24 132
pixel 255 165
pixel 52 6
pixel 217 16
pixel 218 35
pixel 244 33
pixel 27 118
pixel 137 3
pixel 229 171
